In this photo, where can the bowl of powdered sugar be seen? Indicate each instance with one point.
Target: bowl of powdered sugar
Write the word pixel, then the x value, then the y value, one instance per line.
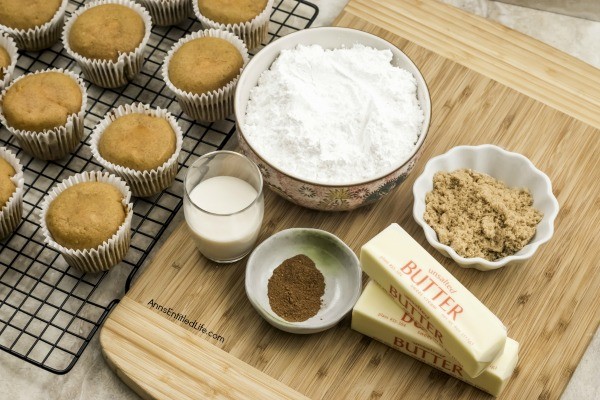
pixel 484 207
pixel 335 118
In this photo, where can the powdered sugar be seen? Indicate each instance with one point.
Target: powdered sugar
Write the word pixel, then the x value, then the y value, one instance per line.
pixel 334 116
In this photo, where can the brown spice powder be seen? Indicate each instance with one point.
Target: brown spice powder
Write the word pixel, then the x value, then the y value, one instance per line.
pixel 479 216
pixel 295 289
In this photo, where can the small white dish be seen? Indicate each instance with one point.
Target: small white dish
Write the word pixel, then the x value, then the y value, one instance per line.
pixel 515 170
pixel 336 261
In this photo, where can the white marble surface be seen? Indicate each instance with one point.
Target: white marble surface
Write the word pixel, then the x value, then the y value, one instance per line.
pixel 91 379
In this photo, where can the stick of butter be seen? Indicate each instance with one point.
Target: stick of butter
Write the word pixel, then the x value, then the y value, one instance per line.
pixel 435 299
pixel 378 316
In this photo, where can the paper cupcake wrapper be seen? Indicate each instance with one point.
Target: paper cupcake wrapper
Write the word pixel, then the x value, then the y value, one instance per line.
pixel 12 212
pixel 142 183
pixel 10 46
pixel 40 37
pixel 108 73
pixel 167 12
pixel 109 253
pixel 56 143
pixel 253 32
pixel 211 106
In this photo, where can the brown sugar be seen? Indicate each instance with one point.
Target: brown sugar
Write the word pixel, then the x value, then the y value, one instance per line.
pixel 219 61
pixel 479 216
pixel 19 14
pixel 105 31
pixel 138 141
pixel 85 215
pixel 7 186
pixel 231 11
pixel 41 101
pixel 295 289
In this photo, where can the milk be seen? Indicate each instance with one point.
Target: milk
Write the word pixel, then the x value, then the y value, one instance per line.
pixel 224 217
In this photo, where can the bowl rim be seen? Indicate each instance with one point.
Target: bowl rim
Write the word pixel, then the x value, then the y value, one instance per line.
pixel 294 327
pixel 474 262
pixel 420 78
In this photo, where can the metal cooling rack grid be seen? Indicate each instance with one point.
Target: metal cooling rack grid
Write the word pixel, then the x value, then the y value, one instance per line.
pixel 49 312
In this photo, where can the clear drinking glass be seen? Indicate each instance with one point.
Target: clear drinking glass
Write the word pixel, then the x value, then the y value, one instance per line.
pixel 224 214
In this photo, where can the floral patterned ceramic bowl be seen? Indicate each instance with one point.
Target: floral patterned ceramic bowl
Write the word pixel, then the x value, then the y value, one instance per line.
pixel 312 194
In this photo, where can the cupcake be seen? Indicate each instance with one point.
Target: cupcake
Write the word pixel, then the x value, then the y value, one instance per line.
pixel 8 59
pixel 34 24
pixel 167 12
pixel 44 111
pixel 87 218
pixel 108 38
pixel 220 56
pixel 11 192
pixel 141 145
pixel 247 19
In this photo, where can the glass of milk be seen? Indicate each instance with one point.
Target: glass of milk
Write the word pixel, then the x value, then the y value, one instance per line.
pixel 223 205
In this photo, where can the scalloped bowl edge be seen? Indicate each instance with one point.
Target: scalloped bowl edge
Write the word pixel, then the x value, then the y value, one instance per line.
pixel 471 157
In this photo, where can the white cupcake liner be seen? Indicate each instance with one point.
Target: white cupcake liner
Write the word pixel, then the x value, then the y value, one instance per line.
pixel 142 183
pixel 109 253
pixel 252 32
pixel 108 73
pixel 56 143
pixel 211 106
pixel 40 37
pixel 10 46
pixel 12 211
pixel 167 12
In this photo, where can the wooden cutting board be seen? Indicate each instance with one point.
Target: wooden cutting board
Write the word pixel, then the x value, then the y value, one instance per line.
pixel 488 84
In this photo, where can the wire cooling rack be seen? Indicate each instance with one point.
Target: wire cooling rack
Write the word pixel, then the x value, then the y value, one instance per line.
pixel 49 312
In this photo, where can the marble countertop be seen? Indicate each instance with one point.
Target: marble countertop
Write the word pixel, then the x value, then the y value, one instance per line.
pixel 91 378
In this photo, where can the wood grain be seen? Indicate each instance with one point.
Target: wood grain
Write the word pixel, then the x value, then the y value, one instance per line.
pixel 517 61
pixel 549 304
pixel 149 345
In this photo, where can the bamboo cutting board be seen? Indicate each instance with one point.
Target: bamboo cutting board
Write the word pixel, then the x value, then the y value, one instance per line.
pixel 488 84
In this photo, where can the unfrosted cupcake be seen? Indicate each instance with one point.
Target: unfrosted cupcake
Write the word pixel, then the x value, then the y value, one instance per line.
pixel 108 38
pixel 247 19
pixel 45 111
pixel 87 218
pixel 167 12
pixel 8 58
pixel 220 56
pixel 11 192
pixel 34 24
pixel 141 145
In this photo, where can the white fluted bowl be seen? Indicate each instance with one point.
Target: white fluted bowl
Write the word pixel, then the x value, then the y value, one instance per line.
pixel 515 170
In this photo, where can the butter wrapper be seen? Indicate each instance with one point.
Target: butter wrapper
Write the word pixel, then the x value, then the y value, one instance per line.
pixel 434 298
pixel 379 317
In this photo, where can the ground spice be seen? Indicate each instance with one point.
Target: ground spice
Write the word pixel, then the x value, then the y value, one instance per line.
pixel 479 216
pixel 295 289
